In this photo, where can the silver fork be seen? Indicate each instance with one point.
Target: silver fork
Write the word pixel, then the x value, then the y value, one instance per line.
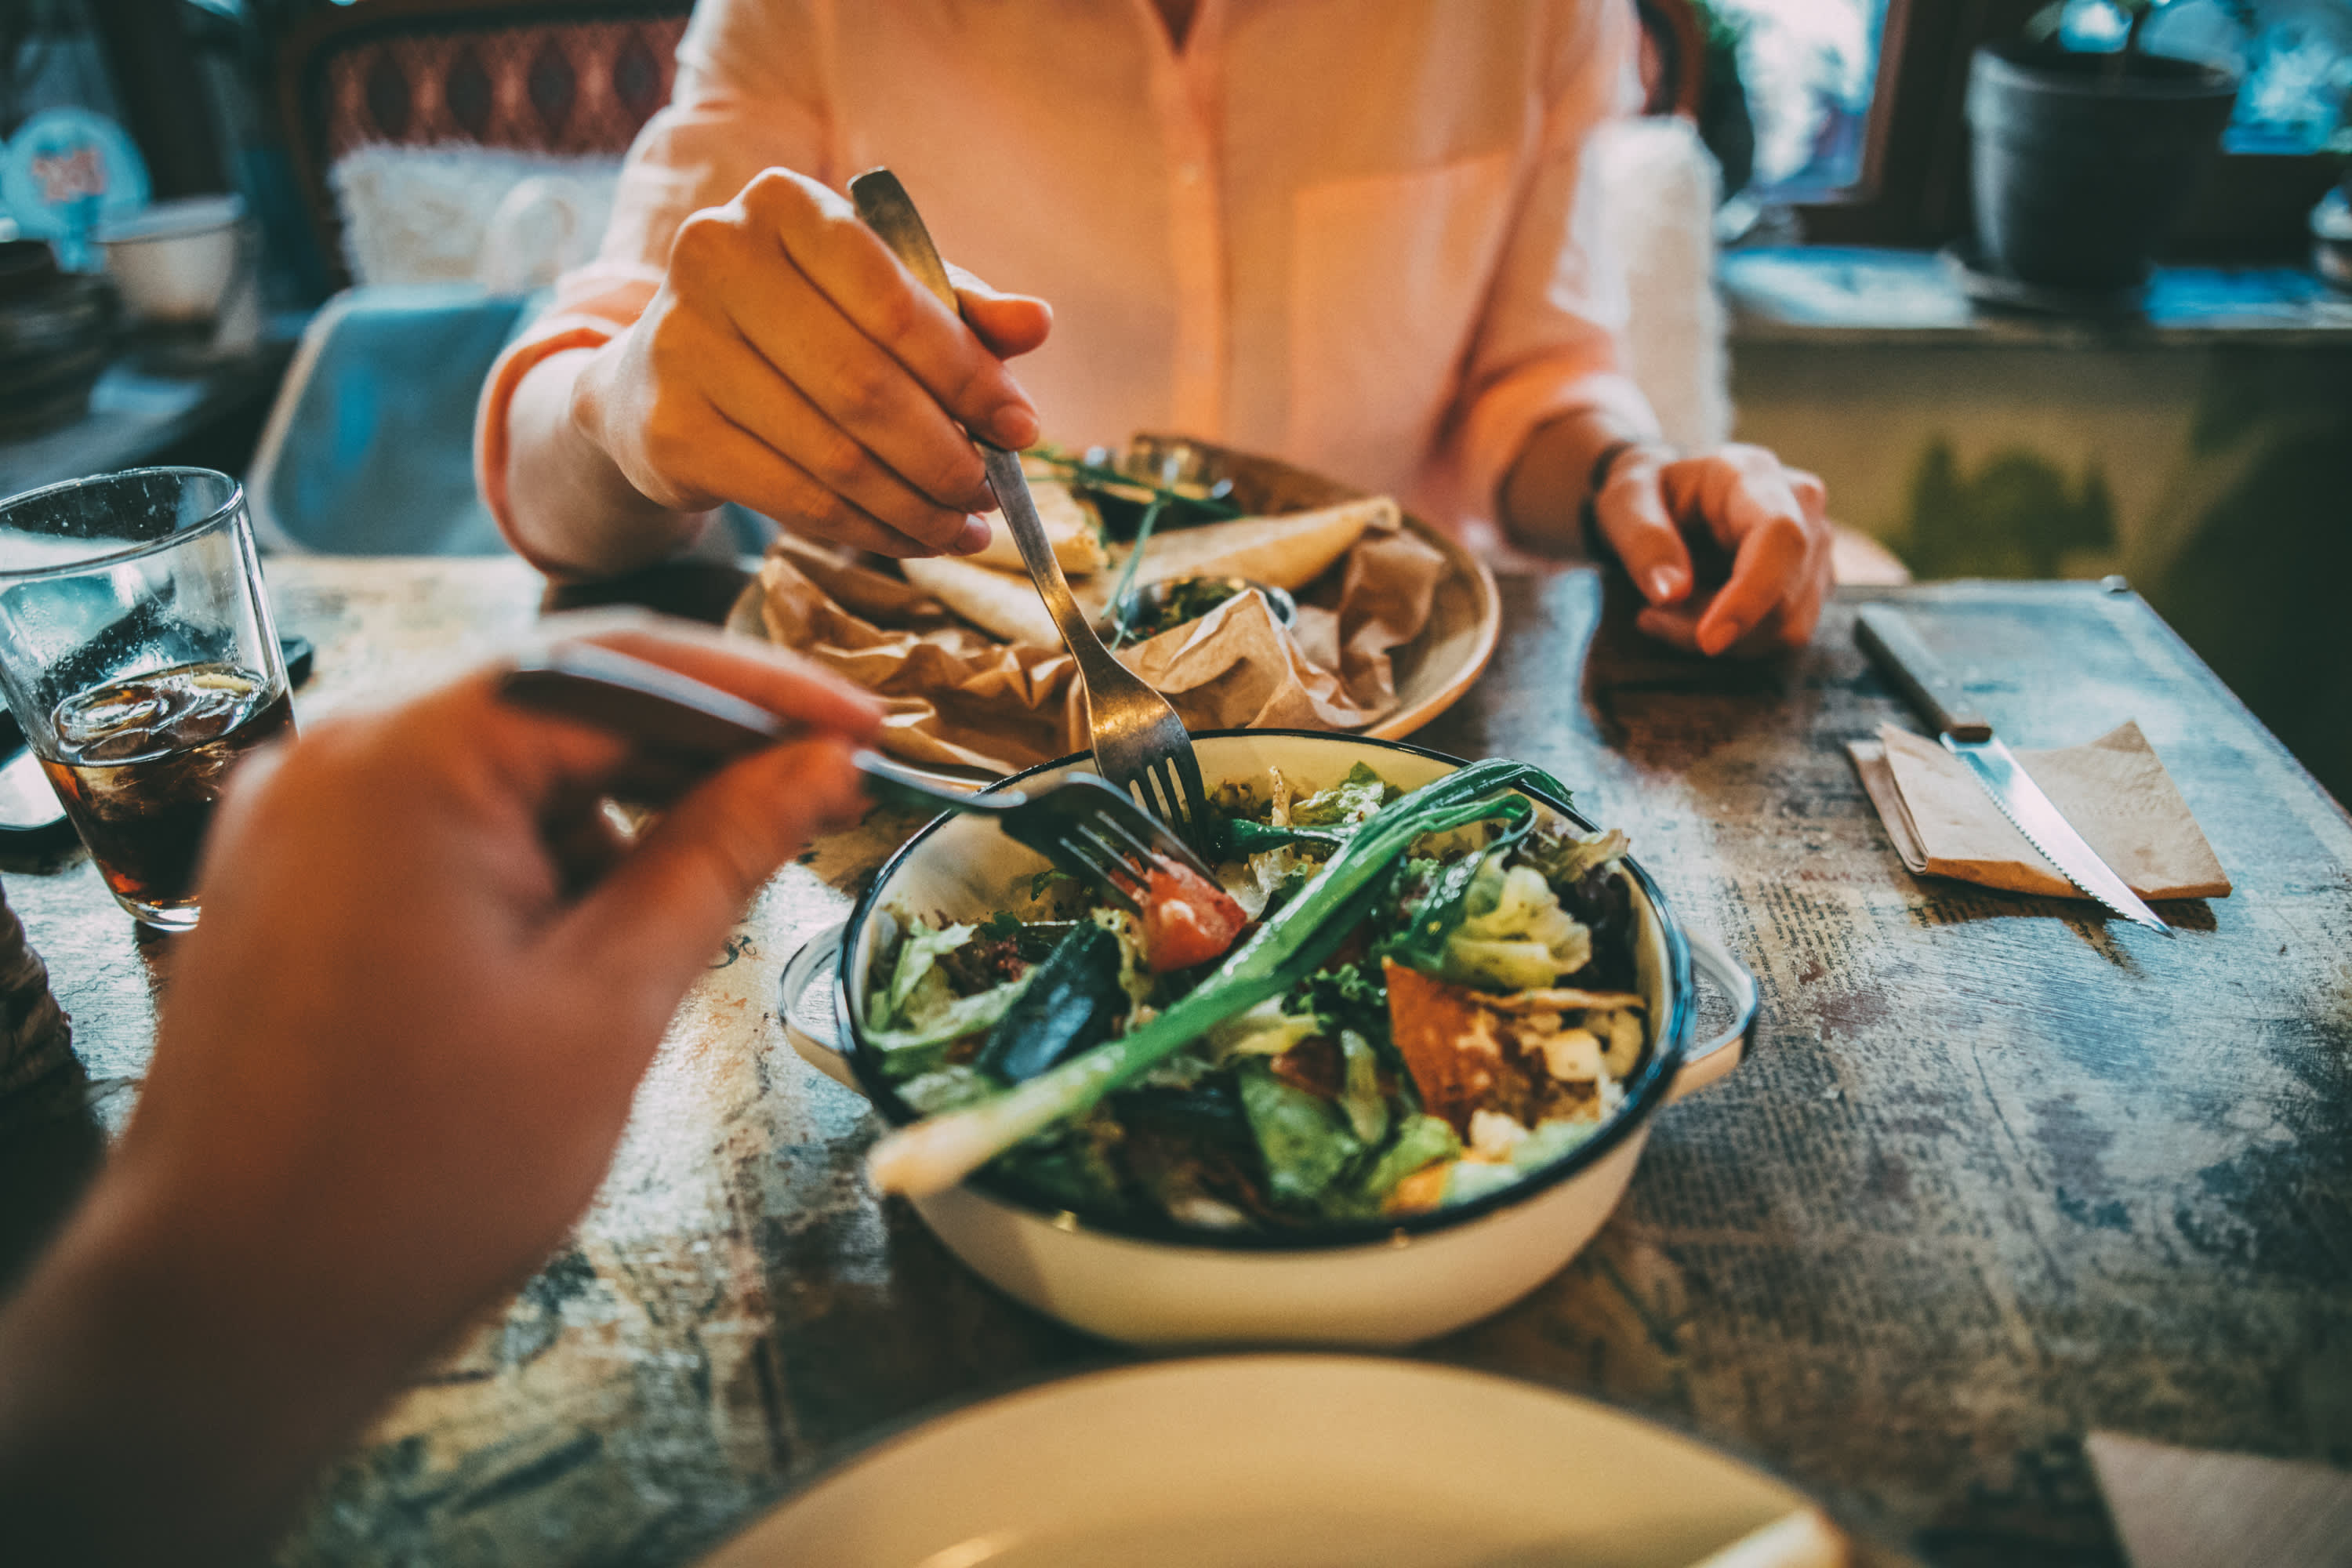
pixel 1140 744
pixel 684 729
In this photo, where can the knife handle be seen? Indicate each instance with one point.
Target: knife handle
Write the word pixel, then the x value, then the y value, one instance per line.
pixel 1888 638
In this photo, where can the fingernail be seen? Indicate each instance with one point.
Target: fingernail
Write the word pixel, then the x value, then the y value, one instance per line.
pixel 1664 584
pixel 1714 640
pixel 1015 425
pixel 975 538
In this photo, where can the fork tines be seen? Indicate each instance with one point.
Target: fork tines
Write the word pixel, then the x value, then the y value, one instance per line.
pixel 1157 785
pixel 1091 828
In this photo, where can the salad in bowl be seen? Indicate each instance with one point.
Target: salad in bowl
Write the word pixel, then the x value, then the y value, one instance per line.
pixel 1380 1073
pixel 1475 1018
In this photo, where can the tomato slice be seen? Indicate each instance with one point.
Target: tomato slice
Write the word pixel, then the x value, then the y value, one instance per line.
pixel 1187 919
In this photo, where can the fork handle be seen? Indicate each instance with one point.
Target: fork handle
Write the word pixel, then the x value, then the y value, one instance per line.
pixel 697 727
pixel 883 202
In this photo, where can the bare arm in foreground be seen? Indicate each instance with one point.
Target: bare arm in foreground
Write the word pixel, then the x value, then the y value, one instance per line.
pixel 351 1143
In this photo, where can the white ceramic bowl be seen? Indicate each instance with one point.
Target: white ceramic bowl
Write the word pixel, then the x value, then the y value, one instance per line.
pixel 1311 1461
pixel 175 262
pixel 1387 1282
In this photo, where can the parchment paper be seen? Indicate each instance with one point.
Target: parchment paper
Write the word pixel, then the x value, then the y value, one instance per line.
pixel 2114 791
pixel 957 695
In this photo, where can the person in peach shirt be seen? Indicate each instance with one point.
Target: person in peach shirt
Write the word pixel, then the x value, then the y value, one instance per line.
pixel 1351 236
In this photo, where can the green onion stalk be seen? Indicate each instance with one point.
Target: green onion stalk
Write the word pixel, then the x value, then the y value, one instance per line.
pixel 934 1154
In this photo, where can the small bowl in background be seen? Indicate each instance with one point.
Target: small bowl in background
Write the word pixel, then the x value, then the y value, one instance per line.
pixel 177 261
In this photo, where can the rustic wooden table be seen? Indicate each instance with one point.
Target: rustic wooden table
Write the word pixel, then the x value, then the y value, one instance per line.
pixel 1999 1173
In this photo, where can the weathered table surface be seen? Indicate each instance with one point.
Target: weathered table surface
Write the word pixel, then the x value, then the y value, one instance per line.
pixel 2001 1173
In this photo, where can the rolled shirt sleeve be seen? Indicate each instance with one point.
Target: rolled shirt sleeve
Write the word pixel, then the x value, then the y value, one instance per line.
pixel 1547 344
pixel 749 97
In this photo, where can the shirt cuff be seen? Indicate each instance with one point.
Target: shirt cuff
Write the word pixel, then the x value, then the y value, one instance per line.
pixel 1514 407
pixel 490 442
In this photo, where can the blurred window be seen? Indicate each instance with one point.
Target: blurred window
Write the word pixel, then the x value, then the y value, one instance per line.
pixel 2294 57
pixel 1810 72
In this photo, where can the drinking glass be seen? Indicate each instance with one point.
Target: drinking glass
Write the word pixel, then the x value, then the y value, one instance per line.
pixel 137 652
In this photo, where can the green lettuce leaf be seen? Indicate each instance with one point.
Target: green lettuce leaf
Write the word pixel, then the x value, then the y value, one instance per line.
pixel 1303 1139
pixel 1420 1141
pixel 916 984
pixel 938 1025
pixel 1367 1109
pixel 1352 799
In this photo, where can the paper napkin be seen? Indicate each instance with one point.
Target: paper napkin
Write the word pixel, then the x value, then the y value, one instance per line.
pixel 2185 1508
pixel 2115 791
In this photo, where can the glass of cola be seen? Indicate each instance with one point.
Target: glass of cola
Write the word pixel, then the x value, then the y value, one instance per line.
pixel 137 651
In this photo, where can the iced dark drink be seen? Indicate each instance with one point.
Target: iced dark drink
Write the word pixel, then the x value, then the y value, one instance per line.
pixel 140 763
pixel 139 656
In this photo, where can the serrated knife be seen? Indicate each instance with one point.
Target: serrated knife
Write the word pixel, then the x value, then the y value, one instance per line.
pixel 1895 646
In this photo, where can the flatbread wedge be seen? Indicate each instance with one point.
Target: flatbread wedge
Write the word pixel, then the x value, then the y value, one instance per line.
pixel 1070 528
pixel 1287 552
pixel 996 602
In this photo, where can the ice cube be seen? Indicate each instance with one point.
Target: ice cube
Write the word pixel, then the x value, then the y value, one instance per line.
pixel 198 715
pixel 87 723
pixel 121 745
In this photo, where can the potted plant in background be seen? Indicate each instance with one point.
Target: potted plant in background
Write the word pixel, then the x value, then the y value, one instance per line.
pixel 2082 161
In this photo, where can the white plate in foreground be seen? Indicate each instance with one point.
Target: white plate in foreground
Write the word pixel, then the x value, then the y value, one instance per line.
pixel 1299 1460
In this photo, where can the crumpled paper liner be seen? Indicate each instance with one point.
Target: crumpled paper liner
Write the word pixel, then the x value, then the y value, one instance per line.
pixel 2114 791
pixel 950 694
pixel 953 694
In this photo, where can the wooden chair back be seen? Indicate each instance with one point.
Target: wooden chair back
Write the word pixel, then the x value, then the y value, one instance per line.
pixel 535 76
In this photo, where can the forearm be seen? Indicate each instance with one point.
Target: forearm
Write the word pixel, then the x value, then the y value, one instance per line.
pixel 164 1397
pixel 568 503
pixel 1544 492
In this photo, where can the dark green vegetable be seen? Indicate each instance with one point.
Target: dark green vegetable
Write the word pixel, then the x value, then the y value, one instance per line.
pixel 1351 996
pixel 1240 837
pixel 1440 911
pixel 1072 1002
pixel 1120 630
pixel 1186 600
pixel 1303 1138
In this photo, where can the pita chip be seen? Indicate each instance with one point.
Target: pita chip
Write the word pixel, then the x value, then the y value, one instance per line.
pixel 1287 552
pixel 996 602
pixel 1070 528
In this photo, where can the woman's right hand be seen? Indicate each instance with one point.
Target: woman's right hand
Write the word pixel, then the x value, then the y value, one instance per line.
pixel 791 365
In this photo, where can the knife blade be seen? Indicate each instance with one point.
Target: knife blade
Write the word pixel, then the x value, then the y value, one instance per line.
pixel 1896 646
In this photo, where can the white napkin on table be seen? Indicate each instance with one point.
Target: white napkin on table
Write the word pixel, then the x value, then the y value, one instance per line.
pixel 2187 1508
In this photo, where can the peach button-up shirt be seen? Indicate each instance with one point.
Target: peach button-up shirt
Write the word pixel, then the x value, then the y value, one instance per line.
pixel 1345 232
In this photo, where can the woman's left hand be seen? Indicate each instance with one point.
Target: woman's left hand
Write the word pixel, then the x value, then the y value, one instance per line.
pixel 1762 525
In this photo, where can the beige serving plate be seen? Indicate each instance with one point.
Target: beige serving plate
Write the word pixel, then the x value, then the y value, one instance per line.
pixel 1433 670
pixel 1302 1460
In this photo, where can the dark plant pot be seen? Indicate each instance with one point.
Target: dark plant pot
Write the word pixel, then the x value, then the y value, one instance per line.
pixel 2080 169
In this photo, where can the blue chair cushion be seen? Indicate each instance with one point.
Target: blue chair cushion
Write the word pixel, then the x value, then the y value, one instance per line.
pixel 370 450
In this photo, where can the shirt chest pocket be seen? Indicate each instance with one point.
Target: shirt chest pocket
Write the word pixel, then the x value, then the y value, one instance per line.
pixel 1387 276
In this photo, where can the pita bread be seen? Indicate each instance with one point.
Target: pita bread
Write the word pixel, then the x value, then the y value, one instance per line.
pixel 1070 528
pixel 1287 552
pixel 996 602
